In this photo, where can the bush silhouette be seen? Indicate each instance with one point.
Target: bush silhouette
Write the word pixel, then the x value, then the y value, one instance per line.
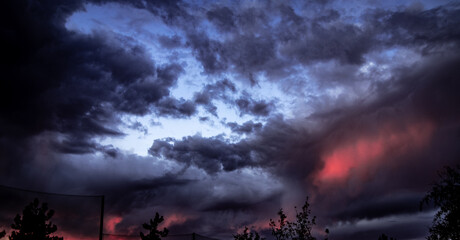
pixel 281 230
pixel 154 233
pixel 34 223
pixel 301 229
pixel 445 194
pixel 246 235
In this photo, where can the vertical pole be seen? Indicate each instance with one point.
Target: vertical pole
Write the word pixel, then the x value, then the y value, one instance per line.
pixel 193 236
pixel 101 224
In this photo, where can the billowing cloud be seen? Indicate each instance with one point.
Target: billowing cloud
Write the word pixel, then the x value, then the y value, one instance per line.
pixel 357 156
pixel 353 105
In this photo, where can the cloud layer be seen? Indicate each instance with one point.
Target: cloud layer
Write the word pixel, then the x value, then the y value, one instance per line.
pixel 355 108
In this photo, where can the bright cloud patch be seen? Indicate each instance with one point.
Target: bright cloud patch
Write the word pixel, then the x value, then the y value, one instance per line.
pixel 358 156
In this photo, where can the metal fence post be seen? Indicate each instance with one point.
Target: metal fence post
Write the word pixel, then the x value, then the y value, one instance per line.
pixel 101 224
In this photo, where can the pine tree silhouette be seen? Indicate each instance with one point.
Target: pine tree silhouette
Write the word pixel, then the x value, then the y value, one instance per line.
pixel 34 223
pixel 154 233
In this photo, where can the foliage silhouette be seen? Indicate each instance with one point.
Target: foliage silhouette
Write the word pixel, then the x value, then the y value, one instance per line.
pixel 154 233
pixel 445 194
pixel 385 237
pixel 282 231
pixel 301 229
pixel 246 235
pixel 33 225
pixel 2 233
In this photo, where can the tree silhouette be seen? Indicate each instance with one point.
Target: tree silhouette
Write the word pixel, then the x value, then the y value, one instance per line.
pixel 154 233
pixel 282 231
pixel 445 194
pixel 246 235
pixel 2 233
pixel 34 225
pixel 299 230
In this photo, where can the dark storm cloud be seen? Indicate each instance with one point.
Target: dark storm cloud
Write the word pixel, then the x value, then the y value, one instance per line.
pixel 247 105
pixel 409 27
pixel 139 127
pixel 258 46
pixel 381 207
pixel 222 17
pixel 61 81
pixel 154 188
pixel 210 154
pixel 246 53
pixel 75 146
pixel 138 96
pixel 207 51
pixel 173 107
pixel 129 195
pixel 215 91
pixel 275 143
pixel 240 204
pixel 245 128
pixel 223 90
pixel 61 89
pixel 409 229
pixel 427 92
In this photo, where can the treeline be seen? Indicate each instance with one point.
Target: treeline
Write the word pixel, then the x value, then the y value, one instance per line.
pixel 444 194
pixel 35 224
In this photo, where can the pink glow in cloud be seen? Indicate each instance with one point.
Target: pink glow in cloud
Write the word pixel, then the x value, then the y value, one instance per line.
pixel 357 156
pixel 111 223
pixel 174 219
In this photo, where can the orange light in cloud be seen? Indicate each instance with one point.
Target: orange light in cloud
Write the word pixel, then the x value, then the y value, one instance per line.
pixel 358 155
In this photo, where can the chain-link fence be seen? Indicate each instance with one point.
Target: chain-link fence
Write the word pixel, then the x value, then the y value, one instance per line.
pixel 76 216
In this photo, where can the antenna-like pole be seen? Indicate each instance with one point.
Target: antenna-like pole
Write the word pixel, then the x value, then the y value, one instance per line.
pixel 101 224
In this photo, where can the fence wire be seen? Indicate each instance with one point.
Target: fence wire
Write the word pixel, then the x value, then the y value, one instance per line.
pixel 76 216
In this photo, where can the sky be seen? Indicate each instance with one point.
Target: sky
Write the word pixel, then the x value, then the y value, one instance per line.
pixel 216 114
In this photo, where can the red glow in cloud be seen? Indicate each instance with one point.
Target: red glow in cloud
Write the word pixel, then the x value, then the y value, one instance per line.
pixel 111 222
pixel 358 155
